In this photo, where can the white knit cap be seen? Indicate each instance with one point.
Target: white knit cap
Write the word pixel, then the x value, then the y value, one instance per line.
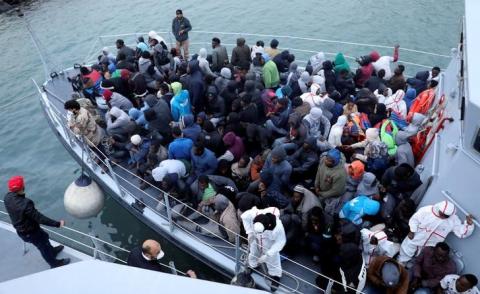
pixel 136 139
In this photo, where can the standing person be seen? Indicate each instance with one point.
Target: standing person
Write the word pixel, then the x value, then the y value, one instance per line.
pixel 430 225
pixel 147 257
pixel 266 238
pixel 219 55
pixel 180 28
pixel 26 219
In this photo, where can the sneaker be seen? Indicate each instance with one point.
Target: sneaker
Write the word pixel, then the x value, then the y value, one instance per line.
pixel 57 249
pixel 62 262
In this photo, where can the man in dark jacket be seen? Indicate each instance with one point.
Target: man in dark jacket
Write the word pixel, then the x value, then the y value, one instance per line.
pixel 180 28
pixel 241 53
pixel 147 257
pixel 27 220
pixel 219 55
pixel 127 51
pixel 158 117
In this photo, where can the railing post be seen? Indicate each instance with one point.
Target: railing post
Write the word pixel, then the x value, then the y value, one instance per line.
pixel 238 253
pixel 169 210
pixel 114 177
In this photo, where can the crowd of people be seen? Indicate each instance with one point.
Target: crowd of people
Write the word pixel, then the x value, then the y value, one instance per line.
pixel 321 158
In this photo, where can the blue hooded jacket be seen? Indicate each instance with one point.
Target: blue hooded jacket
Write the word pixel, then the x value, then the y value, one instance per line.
pixel 410 95
pixel 180 148
pixel 359 206
pixel 204 164
pixel 189 128
pixel 180 103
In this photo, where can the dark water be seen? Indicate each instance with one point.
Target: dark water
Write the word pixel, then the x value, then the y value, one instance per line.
pixel 67 30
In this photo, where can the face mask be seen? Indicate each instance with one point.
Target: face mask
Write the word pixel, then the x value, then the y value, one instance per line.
pixel 160 255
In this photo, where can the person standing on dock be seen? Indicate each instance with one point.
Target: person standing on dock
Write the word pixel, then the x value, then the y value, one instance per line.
pixel 27 220
pixel 180 28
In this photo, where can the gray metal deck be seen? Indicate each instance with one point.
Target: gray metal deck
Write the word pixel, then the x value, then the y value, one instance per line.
pixel 15 263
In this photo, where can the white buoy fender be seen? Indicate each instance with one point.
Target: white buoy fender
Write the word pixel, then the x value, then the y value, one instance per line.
pixel 83 198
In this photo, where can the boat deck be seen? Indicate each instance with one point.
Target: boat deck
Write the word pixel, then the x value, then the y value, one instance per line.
pixel 17 263
pixel 59 90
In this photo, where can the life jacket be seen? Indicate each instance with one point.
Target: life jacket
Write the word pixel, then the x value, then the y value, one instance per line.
pixel 388 132
pixel 93 76
pixel 422 103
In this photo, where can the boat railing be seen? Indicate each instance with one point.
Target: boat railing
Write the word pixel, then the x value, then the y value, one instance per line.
pixel 302 47
pixel 95 251
pixel 92 157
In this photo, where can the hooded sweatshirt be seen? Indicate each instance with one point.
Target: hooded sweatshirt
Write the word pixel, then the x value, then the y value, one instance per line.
pixel 341 63
pixel 419 82
pixel 195 82
pixel 169 166
pixel 335 136
pixel 368 186
pixel 221 82
pixel 121 119
pixel 234 144
pixel 281 170
pixel 317 125
pixel 204 64
pixel 118 100
pixel 204 164
pixel 189 128
pixel 180 103
pixel 358 207
pixel 312 98
pixel 316 61
pixel 404 149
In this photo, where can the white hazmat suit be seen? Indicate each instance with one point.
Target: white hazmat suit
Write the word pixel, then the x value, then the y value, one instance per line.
pixel 264 246
pixel 429 229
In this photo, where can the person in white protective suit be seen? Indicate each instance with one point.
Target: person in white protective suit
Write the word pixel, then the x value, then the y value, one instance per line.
pixel 431 224
pixel 266 238
pixel 375 243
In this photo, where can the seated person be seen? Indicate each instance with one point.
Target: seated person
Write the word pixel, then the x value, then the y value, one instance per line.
pixel 234 145
pixel 430 267
pixel 203 162
pixel 455 284
pixel 190 129
pixel 203 189
pixel 330 180
pixel 138 149
pixel 360 206
pixel 280 168
pixel 303 201
pixel 386 275
pixel 304 160
pixel 241 172
pixel 115 99
pixel 118 122
pixel 180 147
pixel 270 194
pixel 278 119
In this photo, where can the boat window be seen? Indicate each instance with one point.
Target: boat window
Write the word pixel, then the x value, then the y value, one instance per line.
pixel 476 143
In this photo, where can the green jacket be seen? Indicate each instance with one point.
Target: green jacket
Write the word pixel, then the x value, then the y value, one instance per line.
pixel 341 63
pixel 331 181
pixel 271 77
pixel 387 138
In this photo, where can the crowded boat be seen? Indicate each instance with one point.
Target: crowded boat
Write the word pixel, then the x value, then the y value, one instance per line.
pixel 318 159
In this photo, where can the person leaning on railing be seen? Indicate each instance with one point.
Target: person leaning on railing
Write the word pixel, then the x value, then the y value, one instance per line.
pixel 147 257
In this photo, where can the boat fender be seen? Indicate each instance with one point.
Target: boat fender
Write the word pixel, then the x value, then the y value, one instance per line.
pixel 83 198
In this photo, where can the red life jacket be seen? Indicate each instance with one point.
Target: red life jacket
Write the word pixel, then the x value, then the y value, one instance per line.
pixel 422 103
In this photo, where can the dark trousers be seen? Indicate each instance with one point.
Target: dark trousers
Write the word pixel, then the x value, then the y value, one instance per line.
pixel 39 239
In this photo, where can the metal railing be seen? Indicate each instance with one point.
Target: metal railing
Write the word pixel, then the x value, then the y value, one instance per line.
pixel 95 248
pixel 77 145
pixel 302 47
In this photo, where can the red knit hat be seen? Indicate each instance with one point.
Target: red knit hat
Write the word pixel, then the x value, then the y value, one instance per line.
pixel 107 95
pixel 15 184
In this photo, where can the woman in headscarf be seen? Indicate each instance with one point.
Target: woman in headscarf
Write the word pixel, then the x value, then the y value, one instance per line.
pixel 335 136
